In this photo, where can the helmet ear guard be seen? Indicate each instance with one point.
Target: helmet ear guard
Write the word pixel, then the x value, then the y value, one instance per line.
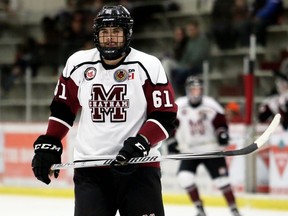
pixel 113 16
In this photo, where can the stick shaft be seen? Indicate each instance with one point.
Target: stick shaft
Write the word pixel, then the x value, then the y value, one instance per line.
pixel 101 161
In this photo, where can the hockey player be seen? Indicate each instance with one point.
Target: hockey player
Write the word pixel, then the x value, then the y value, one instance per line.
pixel 202 127
pixel 276 103
pixel 127 109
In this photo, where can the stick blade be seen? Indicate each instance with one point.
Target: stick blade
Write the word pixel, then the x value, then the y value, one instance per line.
pixel 269 130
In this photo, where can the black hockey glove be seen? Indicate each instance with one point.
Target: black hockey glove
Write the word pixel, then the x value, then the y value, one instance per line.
pixel 284 117
pixel 48 151
pixel 133 147
pixel 223 138
pixel 172 145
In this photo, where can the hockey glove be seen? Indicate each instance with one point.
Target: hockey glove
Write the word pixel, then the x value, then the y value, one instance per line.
pixel 47 151
pixel 223 138
pixel 172 145
pixel 284 117
pixel 133 147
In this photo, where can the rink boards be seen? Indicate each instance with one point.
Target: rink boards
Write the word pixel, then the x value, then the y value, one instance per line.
pixel 271 167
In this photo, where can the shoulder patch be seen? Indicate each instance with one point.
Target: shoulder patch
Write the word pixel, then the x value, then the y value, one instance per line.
pixel 90 73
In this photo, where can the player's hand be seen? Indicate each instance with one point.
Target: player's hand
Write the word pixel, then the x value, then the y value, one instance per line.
pixel 48 151
pixel 286 105
pixel 223 138
pixel 172 145
pixel 133 147
pixel 284 119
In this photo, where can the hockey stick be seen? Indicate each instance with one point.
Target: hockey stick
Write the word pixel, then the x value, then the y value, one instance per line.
pixel 101 161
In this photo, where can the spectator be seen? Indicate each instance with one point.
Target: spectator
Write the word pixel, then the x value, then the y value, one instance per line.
pixel 263 14
pixel 143 12
pixel 8 8
pixel 74 25
pixel 26 56
pixel 74 38
pixel 180 43
pixel 234 21
pixel 7 80
pixel 92 6
pixel 241 22
pixel 64 16
pixel 170 60
pixel 8 13
pixel 222 29
pixel 191 62
pixel 50 43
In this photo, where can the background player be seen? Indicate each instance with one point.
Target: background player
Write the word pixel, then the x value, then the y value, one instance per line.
pixel 127 109
pixel 202 127
pixel 276 103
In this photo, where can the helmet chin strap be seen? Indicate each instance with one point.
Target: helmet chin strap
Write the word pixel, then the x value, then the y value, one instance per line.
pixel 112 61
pixel 112 53
pixel 112 56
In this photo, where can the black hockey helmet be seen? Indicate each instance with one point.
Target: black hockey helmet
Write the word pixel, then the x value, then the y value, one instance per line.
pixel 113 16
pixel 194 89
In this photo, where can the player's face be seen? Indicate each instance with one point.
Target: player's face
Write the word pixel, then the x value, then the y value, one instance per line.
pixel 195 94
pixel 192 30
pixel 110 37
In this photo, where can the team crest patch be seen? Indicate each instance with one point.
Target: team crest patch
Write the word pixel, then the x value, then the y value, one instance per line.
pixel 120 75
pixel 203 115
pixel 90 73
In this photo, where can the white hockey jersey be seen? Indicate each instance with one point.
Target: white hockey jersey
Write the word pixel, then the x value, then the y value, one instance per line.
pixel 198 126
pixel 269 107
pixel 116 102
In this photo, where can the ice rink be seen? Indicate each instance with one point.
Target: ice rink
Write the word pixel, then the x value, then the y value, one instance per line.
pixel 11 205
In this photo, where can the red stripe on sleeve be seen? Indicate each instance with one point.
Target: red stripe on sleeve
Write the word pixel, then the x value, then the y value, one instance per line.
pixel 152 132
pixel 56 129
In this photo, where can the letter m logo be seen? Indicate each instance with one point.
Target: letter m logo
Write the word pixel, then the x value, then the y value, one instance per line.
pixel 111 103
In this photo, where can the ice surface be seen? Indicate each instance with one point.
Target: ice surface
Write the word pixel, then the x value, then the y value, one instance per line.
pixel 12 205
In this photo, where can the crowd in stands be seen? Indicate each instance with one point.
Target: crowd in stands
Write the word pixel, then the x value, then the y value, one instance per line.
pixel 231 24
pixel 191 49
pixel 233 27
pixel 68 31
pixel 63 34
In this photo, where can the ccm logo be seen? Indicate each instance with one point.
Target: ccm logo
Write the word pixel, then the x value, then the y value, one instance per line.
pixel 141 147
pixel 47 147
